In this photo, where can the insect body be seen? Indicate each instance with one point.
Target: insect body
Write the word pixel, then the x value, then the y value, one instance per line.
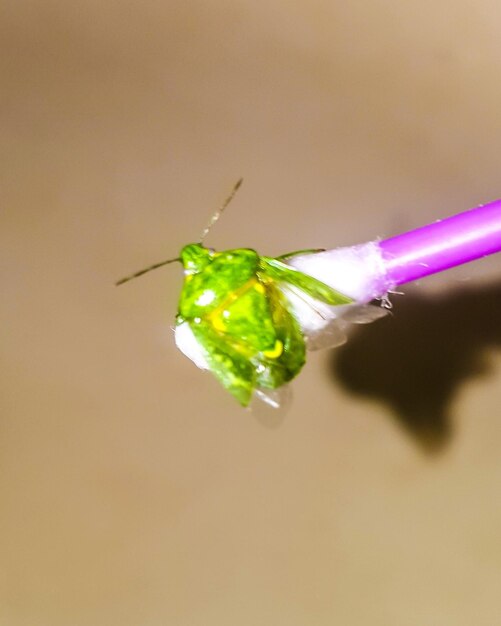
pixel 235 319
pixel 234 307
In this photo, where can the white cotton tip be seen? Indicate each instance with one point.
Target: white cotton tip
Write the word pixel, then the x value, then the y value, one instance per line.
pixel 357 272
pixel 189 346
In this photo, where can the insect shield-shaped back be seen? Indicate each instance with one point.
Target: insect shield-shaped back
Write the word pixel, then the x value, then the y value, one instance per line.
pixel 240 321
pixel 213 278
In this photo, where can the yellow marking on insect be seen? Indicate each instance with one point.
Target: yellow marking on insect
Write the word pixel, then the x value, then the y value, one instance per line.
pixel 218 316
pixel 218 322
pixel 276 350
pixel 232 297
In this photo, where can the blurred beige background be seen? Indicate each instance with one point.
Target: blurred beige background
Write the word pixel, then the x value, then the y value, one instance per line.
pixel 133 490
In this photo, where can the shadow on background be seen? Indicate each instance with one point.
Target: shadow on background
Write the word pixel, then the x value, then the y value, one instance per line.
pixel 416 359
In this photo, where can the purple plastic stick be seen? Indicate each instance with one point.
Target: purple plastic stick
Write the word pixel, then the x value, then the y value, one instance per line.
pixel 442 245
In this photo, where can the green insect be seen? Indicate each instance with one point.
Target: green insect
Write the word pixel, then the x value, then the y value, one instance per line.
pixel 235 318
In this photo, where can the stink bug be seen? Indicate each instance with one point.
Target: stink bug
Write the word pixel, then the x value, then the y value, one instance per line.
pixel 237 315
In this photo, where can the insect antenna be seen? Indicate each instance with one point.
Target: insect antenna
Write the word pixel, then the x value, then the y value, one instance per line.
pixel 219 212
pixel 147 269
